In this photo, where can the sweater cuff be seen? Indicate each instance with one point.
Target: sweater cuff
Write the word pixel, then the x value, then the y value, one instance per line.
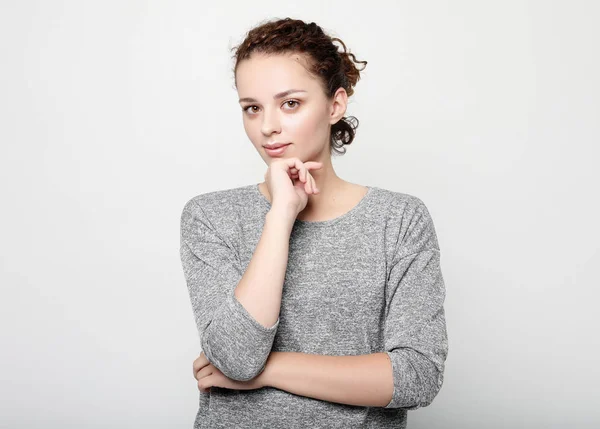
pixel 243 316
pixel 406 383
pixel 236 343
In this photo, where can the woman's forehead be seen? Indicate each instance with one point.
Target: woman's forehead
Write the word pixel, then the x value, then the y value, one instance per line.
pixel 263 75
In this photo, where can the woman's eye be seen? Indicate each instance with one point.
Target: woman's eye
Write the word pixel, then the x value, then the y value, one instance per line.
pixel 292 101
pixel 292 106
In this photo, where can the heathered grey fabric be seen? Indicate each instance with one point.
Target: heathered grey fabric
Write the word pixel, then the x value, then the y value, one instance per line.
pixel 365 282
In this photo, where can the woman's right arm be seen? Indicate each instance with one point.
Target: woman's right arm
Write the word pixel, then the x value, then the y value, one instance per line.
pixel 236 310
pixel 260 288
pixel 236 334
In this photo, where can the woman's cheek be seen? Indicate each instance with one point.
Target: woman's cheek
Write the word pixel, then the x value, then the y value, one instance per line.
pixel 253 133
pixel 300 127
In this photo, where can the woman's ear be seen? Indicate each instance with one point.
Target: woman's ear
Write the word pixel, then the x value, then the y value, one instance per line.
pixel 338 105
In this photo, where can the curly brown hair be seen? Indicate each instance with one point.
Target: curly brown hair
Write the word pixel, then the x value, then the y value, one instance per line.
pixel 335 69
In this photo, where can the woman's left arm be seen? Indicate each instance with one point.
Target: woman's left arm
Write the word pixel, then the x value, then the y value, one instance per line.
pixel 362 380
pixel 409 372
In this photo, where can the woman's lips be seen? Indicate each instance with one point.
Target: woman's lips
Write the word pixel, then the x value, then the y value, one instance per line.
pixel 276 152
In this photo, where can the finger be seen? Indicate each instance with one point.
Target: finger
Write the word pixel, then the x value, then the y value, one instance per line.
pixel 293 161
pixel 314 183
pixel 308 184
pixel 200 362
pixel 204 384
pixel 301 169
pixel 313 165
pixel 204 372
pixel 296 163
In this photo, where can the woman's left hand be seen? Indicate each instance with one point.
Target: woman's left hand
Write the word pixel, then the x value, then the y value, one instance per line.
pixel 208 375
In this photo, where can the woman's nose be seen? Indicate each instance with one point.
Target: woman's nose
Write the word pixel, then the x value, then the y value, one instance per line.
pixel 270 123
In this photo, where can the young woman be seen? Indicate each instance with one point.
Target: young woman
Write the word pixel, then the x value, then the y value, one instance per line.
pixel 319 302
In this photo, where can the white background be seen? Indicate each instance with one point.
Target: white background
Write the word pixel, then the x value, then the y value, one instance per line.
pixel 115 113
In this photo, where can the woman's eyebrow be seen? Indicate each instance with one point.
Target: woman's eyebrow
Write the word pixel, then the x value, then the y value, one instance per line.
pixel 275 97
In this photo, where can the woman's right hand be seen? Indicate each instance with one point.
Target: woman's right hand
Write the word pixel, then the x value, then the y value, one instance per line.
pixel 289 182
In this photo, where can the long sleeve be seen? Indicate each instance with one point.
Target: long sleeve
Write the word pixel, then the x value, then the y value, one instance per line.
pixel 232 340
pixel 415 328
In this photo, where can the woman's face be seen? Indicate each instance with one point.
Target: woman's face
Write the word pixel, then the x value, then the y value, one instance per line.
pixel 302 118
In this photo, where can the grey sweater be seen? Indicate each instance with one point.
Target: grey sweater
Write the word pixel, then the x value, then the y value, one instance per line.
pixel 365 282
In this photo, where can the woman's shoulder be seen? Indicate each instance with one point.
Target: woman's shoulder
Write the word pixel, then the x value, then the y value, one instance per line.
pixel 398 201
pixel 223 208
pixel 223 199
pixel 409 219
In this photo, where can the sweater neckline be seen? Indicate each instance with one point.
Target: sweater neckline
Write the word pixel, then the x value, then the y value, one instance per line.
pixel 323 223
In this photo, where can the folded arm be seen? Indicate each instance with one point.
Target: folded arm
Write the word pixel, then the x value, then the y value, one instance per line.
pixel 232 340
pixel 362 380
